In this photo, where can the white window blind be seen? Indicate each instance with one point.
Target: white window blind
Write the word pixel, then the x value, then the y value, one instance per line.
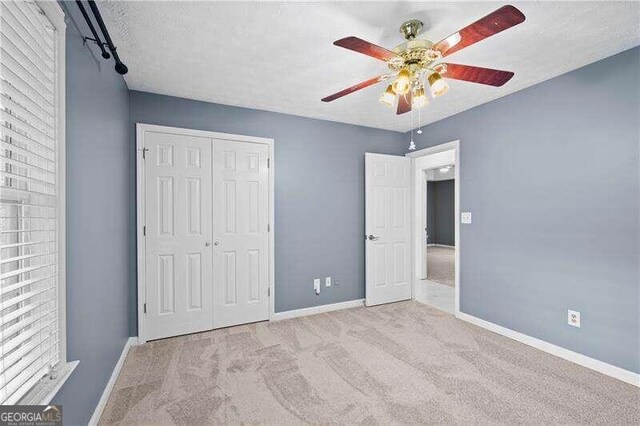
pixel 29 304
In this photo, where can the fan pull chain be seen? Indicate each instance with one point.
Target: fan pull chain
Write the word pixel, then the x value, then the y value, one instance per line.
pixel 412 145
pixel 419 121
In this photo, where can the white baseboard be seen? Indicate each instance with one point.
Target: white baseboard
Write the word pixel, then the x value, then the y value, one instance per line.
pixel 318 309
pixel 569 355
pixel 443 245
pixel 132 341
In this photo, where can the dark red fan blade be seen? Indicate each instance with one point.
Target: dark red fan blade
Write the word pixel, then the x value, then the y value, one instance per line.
pixel 362 46
pixel 480 75
pixel 495 22
pixel 355 88
pixel 404 103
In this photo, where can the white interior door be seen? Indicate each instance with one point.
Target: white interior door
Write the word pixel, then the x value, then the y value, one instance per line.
pixel 178 234
pixel 388 228
pixel 241 247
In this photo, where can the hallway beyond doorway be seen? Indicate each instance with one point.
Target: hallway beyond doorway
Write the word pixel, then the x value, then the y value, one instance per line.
pixel 441 266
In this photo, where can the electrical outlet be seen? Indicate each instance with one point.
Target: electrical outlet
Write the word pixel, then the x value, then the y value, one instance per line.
pixel 573 318
pixel 327 282
pixel 465 217
pixel 316 285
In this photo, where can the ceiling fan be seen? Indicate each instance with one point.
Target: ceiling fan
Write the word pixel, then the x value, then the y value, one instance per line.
pixel 416 61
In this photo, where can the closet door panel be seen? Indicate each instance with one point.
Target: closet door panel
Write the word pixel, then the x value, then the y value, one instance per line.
pixel 240 220
pixel 179 261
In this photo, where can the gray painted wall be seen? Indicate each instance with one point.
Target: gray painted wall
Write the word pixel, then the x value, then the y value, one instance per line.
pixel 99 255
pixel 319 191
pixel 441 212
pixel 551 175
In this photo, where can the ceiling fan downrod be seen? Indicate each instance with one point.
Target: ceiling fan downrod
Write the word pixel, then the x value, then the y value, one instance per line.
pixel 410 29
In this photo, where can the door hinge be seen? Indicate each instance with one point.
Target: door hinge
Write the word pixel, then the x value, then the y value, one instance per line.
pixel 144 153
pixel 268 227
pixel 268 163
pixel 144 308
pixel 269 292
pixel 144 231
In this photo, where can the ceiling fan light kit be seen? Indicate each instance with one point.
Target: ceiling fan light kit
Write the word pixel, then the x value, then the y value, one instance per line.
pixel 419 99
pixel 402 83
pixel 415 62
pixel 388 97
pixel 438 85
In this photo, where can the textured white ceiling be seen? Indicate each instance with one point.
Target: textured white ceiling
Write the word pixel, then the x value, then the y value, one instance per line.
pixel 280 57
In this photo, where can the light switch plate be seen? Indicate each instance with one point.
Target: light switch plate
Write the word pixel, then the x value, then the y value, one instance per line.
pixel 465 217
pixel 327 282
pixel 573 318
pixel 316 285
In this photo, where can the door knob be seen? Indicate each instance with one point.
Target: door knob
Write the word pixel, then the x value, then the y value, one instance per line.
pixel 373 237
pixel 207 244
pixel 216 243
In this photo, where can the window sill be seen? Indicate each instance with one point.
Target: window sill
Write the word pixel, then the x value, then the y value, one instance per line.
pixel 43 392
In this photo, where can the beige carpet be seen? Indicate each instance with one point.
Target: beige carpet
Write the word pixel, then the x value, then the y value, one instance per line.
pixel 441 265
pixel 399 363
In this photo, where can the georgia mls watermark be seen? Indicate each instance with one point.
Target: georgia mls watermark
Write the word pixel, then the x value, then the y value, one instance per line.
pixel 30 415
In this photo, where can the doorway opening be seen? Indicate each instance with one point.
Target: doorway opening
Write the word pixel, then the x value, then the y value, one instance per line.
pixel 440 237
pixel 436 227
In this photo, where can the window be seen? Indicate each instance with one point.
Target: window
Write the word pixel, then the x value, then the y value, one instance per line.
pixel 32 327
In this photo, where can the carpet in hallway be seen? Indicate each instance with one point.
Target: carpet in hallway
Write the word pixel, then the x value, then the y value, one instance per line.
pixel 441 265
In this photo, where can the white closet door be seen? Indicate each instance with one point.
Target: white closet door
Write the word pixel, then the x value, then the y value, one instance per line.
pixel 178 234
pixel 388 228
pixel 241 247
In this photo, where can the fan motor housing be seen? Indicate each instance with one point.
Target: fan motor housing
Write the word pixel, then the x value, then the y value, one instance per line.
pixel 417 52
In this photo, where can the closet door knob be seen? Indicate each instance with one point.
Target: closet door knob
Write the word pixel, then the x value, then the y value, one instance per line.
pixel 207 244
pixel 216 243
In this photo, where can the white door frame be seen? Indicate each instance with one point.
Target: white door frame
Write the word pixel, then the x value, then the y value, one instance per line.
pixel 455 145
pixel 141 129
